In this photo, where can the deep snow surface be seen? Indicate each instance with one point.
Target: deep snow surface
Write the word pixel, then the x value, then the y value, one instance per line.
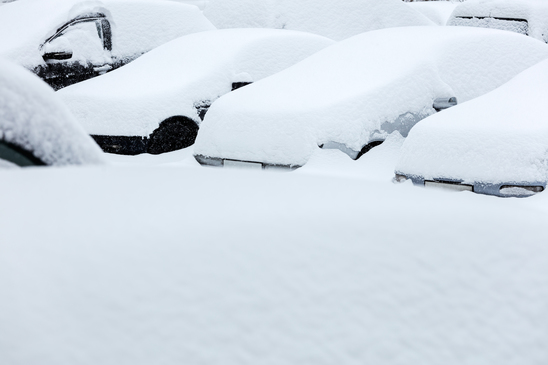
pixel 170 263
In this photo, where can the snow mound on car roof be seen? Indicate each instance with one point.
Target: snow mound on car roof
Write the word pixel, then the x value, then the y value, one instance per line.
pixel 137 25
pixel 346 92
pixel 333 19
pixel 535 12
pixel 437 11
pixel 141 25
pixel 33 118
pixel 171 79
pixel 499 137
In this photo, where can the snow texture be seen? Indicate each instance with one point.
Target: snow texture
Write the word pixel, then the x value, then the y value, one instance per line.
pixel 333 19
pixel 32 117
pixel 137 25
pixel 174 78
pixel 535 12
pixel 361 89
pixel 142 25
pixel 187 265
pixel 499 137
pixel 437 11
pixel 201 4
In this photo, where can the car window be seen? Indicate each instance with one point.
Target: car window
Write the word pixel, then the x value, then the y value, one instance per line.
pixel 513 25
pixel 83 39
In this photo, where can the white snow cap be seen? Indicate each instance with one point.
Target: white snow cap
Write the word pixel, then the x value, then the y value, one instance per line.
pixel 32 117
pixel 141 25
pixel 535 12
pixel 499 137
pixel 170 80
pixel 437 11
pixel 334 19
pixel 137 25
pixel 354 91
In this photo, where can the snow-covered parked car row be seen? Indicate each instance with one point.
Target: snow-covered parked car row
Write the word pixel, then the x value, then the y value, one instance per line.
pixel 350 98
pixel 332 76
pixel 156 103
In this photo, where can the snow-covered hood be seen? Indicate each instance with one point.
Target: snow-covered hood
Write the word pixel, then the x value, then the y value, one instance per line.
pixel 32 118
pixel 172 79
pixel 534 11
pixel 353 92
pixel 499 137
pixel 333 19
pixel 138 25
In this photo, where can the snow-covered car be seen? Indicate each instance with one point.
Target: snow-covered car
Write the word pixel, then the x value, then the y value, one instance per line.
pixel 496 144
pixel 156 103
pixel 333 19
pixel 353 94
pixel 67 41
pixel 437 11
pixel 528 17
pixel 35 127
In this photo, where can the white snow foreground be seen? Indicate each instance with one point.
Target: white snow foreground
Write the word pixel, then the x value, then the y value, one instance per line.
pixel 137 25
pixel 359 90
pixel 201 266
pixel 333 19
pixel 529 17
pixel 499 137
pixel 32 118
pixel 179 76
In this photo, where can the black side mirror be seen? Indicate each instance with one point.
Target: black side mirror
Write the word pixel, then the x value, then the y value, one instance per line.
pixel 64 55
